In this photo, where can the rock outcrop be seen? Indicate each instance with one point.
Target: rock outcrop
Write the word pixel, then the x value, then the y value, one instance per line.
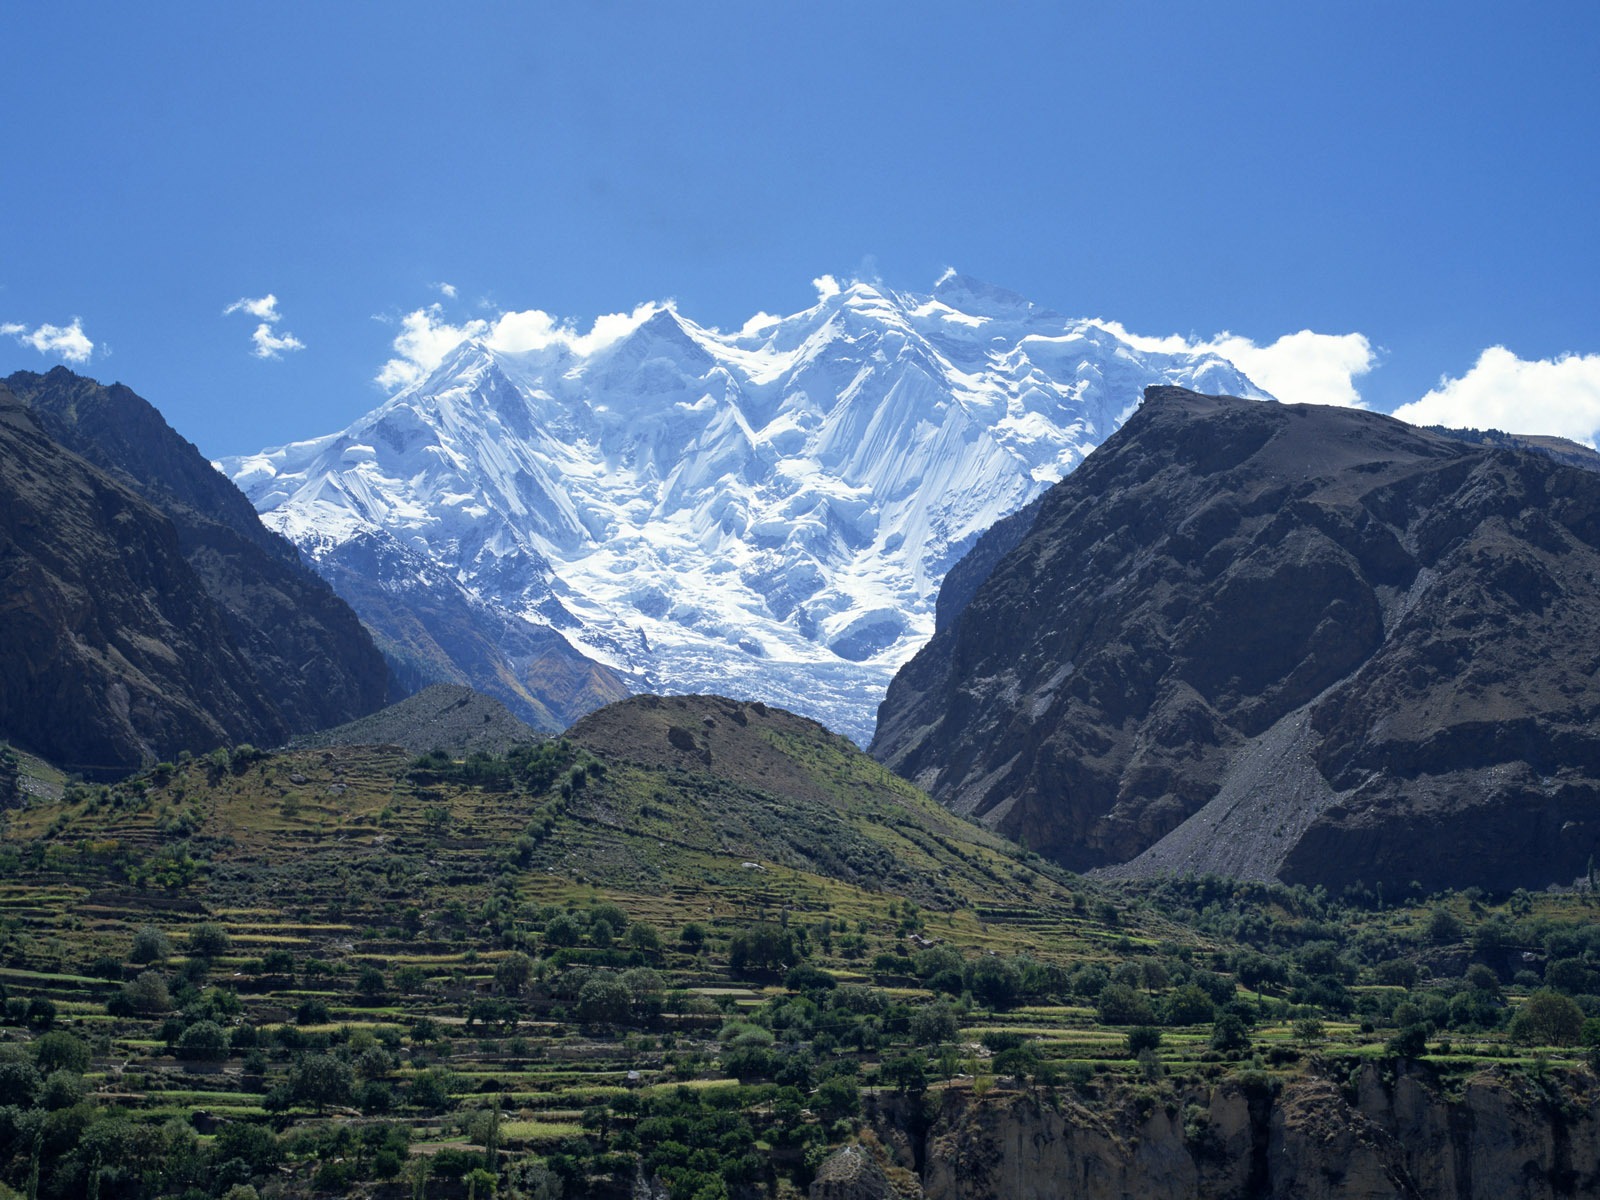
pixel 1279 641
pixel 1380 1134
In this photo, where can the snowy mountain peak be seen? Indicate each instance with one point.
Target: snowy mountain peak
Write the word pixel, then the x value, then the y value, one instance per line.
pixel 766 513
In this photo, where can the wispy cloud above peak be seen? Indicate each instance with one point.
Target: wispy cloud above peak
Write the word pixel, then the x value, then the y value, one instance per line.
pixel 267 342
pixel 1299 368
pixel 427 335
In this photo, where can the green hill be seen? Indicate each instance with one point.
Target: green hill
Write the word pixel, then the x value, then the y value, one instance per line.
pixel 696 941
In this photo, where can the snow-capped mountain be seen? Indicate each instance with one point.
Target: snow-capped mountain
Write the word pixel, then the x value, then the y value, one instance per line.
pixel 765 514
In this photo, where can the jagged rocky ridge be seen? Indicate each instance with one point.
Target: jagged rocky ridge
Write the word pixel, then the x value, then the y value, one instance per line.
pixel 305 649
pixel 1279 641
pixel 765 514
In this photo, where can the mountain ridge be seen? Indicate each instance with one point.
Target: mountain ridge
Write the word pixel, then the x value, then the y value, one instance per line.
pixel 766 513
pixel 306 648
pixel 1279 641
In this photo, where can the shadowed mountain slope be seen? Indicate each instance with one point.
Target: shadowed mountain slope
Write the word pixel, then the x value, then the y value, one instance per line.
pixel 1280 640
pixel 111 653
pixel 306 648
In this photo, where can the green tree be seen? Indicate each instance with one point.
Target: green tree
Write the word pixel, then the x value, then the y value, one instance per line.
pixel 149 945
pixel 512 973
pixel 1548 1018
pixel 204 1041
pixel 604 1000
pixel 209 940
pixel 59 1050
pixel 320 1080
pixel 1229 1034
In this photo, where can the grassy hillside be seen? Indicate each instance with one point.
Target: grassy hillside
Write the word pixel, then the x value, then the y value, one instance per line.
pixel 701 940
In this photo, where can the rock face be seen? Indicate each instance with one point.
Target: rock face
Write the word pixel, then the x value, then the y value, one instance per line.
pixel 111 652
pixel 305 647
pixel 1372 1138
pixel 1278 641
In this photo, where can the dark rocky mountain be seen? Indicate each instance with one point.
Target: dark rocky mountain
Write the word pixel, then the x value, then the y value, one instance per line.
pixel 444 716
pixel 315 663
pixel 111 652
pixel 1280 641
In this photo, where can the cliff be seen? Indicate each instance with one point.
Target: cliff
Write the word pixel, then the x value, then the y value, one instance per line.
pixel 1361 1133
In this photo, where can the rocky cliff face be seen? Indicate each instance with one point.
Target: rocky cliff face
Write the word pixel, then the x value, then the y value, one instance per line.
pixel 305 647
pixel 111 653
pixel 1381 1134
pixel 1279 641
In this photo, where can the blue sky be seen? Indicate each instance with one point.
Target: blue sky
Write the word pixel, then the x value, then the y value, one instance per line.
pixel 1421 174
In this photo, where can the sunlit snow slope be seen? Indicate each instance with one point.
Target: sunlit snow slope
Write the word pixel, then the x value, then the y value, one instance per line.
pixel 765 514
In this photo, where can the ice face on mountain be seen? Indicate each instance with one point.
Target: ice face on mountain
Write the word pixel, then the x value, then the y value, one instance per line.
pixel 765 514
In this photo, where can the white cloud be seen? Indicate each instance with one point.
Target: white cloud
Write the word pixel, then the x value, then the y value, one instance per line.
pixel 69 341
pixel 1298 368
pixel 264 309
pixel 1559 396
pixel 826 286
pixel 268 342
pixel 426 337
pixel 270 345
pixel 447 290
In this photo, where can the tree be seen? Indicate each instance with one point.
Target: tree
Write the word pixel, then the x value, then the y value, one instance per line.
pixel 209 940
pixel 1548 1018
pixel 204 1041
pixel 430 1090
pixel 512 973
pixel 370 985
pixel 320 1080
pixel 1143 1037
pixel 1188 1005
pixel 147 994
pixel 604 1000
pixel 562 930
pixel 762 950
pixel 60 1051
pixel 1121 1005
pixel 837 1097
pixel 995 982
pixel 149 945
pixel 1229 1034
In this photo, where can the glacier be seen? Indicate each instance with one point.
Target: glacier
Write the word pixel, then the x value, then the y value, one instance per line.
pixel 765 514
